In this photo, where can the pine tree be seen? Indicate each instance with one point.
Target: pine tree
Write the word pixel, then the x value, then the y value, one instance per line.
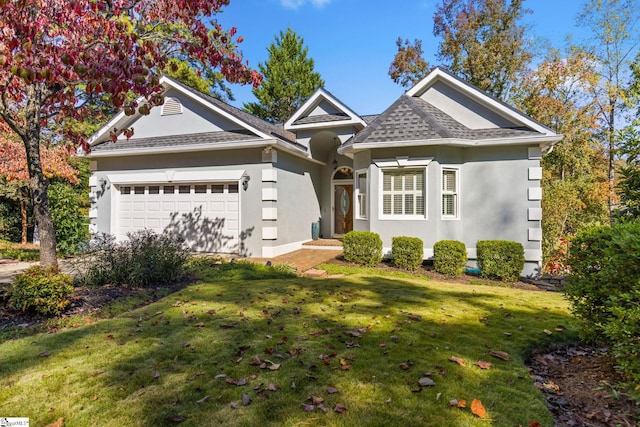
pixel 289 79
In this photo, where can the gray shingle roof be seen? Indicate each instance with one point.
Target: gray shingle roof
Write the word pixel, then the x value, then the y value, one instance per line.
pixel 322 118
pixel 414 119
pixel 173 141
pixel 276 130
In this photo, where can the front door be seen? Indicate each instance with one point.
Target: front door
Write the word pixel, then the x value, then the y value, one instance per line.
pixel 343 208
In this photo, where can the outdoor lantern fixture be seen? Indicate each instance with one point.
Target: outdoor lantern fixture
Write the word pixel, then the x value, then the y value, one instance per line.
pixel 335 164
pixel 336 143
pixel 245 182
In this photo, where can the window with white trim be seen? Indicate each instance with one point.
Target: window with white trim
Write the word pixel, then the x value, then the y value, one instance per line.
pixel 361 194
pixel 403 192
pixel 450 193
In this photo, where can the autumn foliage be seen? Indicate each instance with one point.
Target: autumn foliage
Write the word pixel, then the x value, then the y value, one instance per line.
pixel 57 57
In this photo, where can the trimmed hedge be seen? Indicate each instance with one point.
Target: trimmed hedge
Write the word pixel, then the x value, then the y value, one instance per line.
pixel 407 252
pixel 604 291
pixel 44 291
pixel 449 257
pixel 362 247
pixel 500 259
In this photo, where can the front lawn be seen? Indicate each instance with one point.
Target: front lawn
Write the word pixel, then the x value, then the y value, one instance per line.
pixel 284 351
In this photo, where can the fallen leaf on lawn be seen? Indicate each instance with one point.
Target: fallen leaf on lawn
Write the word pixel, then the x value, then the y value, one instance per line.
pixel 457 360
pixel 507 334
pixel 308 408
pixel 199 325
pixel 438 396
pixel 339 408
pixel 315 399
pixel 176 419
pixel 332 390
pixel 272 387
pixel 57 423
pixel 273 366
pixel 388 400
pixel 483 365
pixel 204 399
pixel 242 381
pixel 98 372
pixel 548 332
pixel 156 375
pixel 414 316
pixel 499 354
pixel 44 354
pixel 560 328
pixel 246 400
pixel 229 325
pixel 478 408
pixel 234 405
pixel 345 367
pixel 255 361
pixel 426 382
pixel 458 403
pixel 382 344
pixel 534 423
pixel 219 376
pixel 45 376
pixel 282 341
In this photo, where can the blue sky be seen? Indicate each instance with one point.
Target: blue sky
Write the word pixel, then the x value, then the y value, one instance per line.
pixel 353 41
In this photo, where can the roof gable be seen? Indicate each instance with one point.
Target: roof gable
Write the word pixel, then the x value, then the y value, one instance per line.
pixel 443 110
pixel 214 114
pixel 200 122
pixel 469 105
pixel 323 109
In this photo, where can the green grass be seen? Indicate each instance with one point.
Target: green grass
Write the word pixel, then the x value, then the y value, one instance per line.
pixel 147 365
pixel 18 252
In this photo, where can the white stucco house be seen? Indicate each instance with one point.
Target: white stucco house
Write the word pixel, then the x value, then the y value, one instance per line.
pixel 444 161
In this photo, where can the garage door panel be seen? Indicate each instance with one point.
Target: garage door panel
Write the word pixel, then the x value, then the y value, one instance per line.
pixel 207 220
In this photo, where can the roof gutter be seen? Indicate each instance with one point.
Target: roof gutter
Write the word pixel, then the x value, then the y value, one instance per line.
pixel 254 143
pixel 545 142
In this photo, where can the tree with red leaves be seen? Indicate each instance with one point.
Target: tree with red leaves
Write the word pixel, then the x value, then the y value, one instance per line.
pixel 58 55
pixel 55 164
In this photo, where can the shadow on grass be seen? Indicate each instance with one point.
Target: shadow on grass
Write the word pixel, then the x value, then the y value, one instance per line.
pixel 163 361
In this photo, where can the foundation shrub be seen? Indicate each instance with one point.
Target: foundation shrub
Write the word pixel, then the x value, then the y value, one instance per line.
pixel 500 259
pixel 407 252
pixel 449 257
pixel 362 247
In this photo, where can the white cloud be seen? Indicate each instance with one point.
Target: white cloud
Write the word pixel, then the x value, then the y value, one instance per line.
pixel 295 4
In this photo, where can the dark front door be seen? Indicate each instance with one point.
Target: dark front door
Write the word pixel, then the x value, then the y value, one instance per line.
pixel 343 208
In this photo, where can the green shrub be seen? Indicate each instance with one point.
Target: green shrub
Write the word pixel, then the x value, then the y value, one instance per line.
pixel 449 257
pixel 407 252
pixel 145 259
pixel 46 292
pixel 362 247
pixel 500 259
pixel 604 291
pixel 71 224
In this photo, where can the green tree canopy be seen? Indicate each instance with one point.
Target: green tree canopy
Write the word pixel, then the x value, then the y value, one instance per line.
pixel 289 79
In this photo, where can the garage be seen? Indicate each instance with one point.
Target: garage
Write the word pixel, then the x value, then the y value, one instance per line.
pixel 204 214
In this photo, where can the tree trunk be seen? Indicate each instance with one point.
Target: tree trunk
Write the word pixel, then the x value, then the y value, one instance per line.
pixel 23 216
pixel 37 181
pixel 612 165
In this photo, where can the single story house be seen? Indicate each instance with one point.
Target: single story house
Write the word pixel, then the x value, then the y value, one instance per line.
pixel 444 161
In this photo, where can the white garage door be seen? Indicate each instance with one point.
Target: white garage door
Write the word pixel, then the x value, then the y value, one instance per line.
pixel 206 216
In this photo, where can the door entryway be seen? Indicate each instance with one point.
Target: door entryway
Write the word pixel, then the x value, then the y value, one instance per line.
pixel 343 208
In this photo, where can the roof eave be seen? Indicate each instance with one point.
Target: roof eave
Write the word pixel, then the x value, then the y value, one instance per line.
pixel 542 141
pixel 254 143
